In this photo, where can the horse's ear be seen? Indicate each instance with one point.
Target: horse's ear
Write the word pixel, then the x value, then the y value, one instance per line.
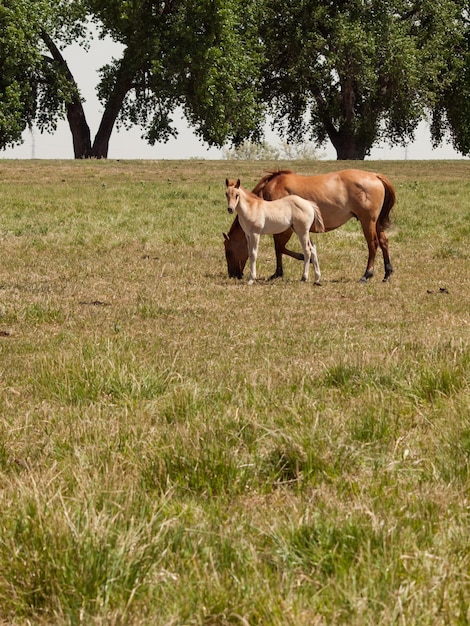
pixel 237 184
pixel 226 237
pixel 226 182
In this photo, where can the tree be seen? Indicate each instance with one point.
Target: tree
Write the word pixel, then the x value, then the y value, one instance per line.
pixel 36 85
pixel 356 72
pixel 451 110
pixel 19 63
pixel 203 55
pixel 262 150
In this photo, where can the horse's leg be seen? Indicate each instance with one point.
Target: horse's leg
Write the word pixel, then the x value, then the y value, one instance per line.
pixel 253 242
pixel 370 233
pixel 280 242
pixel 383 243
pixel 316 265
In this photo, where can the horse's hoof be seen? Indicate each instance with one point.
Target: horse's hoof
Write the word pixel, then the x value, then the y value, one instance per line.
pixel 250 282
pixel 317 283
pixel 367 275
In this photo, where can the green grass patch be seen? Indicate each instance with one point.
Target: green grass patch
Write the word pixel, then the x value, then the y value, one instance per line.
pixel 177 447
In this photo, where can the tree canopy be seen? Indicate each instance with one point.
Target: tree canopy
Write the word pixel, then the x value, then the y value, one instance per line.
pixel 19 62
pixel 199 54
pixel 35 83
pixel 356 72
pixel 451 109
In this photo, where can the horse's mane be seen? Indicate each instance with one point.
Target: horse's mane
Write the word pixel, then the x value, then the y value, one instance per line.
pixel 252 194
pixel 258 190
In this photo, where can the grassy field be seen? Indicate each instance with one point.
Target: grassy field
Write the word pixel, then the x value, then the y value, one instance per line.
pixel 180 448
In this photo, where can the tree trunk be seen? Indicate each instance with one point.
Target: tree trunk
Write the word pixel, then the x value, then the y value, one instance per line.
pixel 100 146
pixel 101 143
pixel 349 149
pixel 75 113
pixel 124 80
pixel 80 130
pixel 348 146
pixel 350 140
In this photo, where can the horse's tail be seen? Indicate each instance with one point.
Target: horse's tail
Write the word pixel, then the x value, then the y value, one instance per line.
pixel 258 190
pixel 389 200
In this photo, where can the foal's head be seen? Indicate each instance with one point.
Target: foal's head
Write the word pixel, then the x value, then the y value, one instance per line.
pixel 232 194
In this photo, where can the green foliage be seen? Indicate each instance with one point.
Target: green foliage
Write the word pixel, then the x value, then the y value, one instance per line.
pixel 34 88
pixel 19 63
pixel 450 111
pixel 218 62
pixel 356 72
pixel 204 56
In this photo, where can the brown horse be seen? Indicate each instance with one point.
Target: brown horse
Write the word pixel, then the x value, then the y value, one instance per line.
pixel 340 196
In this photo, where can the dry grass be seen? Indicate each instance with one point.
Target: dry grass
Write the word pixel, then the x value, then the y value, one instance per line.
pixel 181 448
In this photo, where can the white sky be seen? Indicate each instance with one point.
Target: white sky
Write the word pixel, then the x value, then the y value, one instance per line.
pixel 127 144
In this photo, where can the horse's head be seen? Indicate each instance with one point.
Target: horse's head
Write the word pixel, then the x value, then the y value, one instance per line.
pixel 232 193
pixel 236 250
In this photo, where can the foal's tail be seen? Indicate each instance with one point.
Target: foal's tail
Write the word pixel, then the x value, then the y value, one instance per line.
pixel 318 226
pixel 390 198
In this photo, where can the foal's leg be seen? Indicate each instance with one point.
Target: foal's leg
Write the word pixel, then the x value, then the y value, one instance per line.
pixel 306 244
pixel 316 265
pixel 253 242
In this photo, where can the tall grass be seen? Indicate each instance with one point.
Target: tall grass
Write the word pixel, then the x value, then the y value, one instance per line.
pixel 180 448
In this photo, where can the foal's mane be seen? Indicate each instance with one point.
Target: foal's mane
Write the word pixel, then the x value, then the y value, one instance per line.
pixel 258 190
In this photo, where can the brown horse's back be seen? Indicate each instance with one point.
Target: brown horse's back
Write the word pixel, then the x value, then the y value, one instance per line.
pixel 339 195
pixel 326 190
